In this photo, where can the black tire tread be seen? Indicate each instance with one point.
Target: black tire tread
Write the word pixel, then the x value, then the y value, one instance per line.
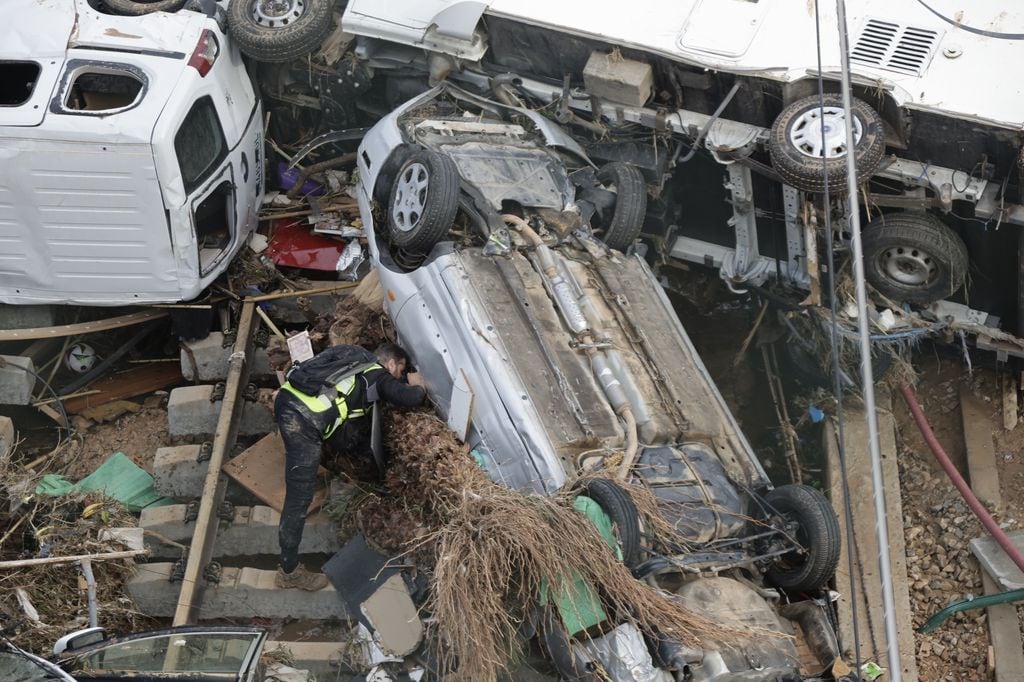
pixel 931 235
pixel 137 8
pixel 279 44
pixel 821 528
pixel 618 505
pixel 803 172
pixel 630 204
pixel 442 203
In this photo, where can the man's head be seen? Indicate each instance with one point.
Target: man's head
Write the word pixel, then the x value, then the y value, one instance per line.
pixel 393 358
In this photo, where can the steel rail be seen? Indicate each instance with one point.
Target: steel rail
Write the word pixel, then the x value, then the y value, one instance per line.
pixel 201 548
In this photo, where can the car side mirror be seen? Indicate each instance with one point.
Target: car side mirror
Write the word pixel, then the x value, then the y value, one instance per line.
pixel 79 640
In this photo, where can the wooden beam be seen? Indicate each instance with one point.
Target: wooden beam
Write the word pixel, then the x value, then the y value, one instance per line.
pixel 23 563
pixel 81 327
pixel 1009 386
pixel 1003 627
pixel 307 292
pixel 201 550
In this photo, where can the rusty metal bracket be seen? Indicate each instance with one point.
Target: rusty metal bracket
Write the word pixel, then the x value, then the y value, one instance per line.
pixel 192 511
pixel 226 511
pixel 177 571
pixel 229 339
pixel 205 452
pixel 219 389
pixel 213 572
pixel 251 393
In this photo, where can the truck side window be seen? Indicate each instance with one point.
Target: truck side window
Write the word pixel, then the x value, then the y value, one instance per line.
pixel 199 144
pixel 17 81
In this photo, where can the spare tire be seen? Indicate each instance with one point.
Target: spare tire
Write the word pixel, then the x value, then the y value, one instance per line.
pixel 914 257
pixel 810 568
pixel 799 154
pixel 136 8
pixel 279 30
pixel 623 226
pixel 618 505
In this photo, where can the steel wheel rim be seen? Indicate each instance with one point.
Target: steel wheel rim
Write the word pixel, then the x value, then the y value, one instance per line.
pixel 805 134
pixel 277 13
pixel 909 266
pixel 410 196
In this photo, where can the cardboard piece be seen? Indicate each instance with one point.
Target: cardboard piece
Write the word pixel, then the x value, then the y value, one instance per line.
pixel 260 470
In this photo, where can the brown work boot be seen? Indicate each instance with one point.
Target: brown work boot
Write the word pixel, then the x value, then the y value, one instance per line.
pixel 300 579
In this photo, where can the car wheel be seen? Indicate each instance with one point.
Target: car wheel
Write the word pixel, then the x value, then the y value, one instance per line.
pixel 279 30
pixel 623 227
pixel 136 8
pixel 797 150
pixel 807 367
pixel 818 535
pixel 914 258
pixel 423 201
pixel 618 505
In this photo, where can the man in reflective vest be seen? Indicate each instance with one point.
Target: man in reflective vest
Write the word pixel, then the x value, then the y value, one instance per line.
pixel 307 421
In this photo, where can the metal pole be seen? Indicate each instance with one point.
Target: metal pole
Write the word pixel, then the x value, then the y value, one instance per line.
pixel 867 376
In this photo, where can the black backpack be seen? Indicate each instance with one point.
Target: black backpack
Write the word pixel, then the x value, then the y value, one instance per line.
pixel 325 370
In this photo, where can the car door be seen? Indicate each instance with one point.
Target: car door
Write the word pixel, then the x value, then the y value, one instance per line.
pixel 202 653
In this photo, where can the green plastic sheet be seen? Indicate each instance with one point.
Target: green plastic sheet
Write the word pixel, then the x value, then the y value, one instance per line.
pixel 118 478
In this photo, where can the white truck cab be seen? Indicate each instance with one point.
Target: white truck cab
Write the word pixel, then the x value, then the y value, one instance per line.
pixel 131 149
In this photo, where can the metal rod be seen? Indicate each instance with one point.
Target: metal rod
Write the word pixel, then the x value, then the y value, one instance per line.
pixel 90 582
pixel 867 380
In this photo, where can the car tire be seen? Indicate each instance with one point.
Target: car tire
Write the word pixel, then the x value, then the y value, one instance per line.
pixel 914 258
pixel 817 533
pixel 619 506
pixel 626 221
pixel 137 8
pixel 572 663
pixel 270 35
pixel 804 366
pixel 423 201
pixel 796 150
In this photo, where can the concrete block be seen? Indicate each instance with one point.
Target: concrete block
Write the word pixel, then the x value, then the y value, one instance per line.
pixel 7 438
pixel 253 532
pixel 26 316
pixel 211 359
pixel 177 471
pixel 240 593
pixel 191 413
pixel 617 79
pixel 16 384
pixel 322 659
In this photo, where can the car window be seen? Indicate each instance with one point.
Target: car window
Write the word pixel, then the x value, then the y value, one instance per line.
pixel 199 144
pixel 196 653
pixel 17 81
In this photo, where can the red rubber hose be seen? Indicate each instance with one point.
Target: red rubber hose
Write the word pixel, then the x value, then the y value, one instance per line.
pixel 958 480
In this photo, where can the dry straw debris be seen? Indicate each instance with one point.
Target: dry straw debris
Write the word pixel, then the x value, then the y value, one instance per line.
pixel 491 549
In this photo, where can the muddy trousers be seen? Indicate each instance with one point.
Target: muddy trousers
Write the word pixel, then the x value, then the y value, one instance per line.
pixel 303 442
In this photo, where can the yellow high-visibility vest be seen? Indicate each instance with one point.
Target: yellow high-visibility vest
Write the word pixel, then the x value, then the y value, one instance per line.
pixel 323 402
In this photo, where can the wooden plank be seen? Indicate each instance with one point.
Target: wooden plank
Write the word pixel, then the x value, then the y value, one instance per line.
pixel 128 384
pixel 866 581
pixel 1003 625
pixel 81 327
pixel 260 470
pixel 981 452
pixel 201 550
pixel 1008 382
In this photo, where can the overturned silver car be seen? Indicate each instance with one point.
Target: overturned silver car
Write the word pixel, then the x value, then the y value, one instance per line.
pixel 499 245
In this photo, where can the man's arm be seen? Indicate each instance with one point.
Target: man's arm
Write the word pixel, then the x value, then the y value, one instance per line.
pixel 399 393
